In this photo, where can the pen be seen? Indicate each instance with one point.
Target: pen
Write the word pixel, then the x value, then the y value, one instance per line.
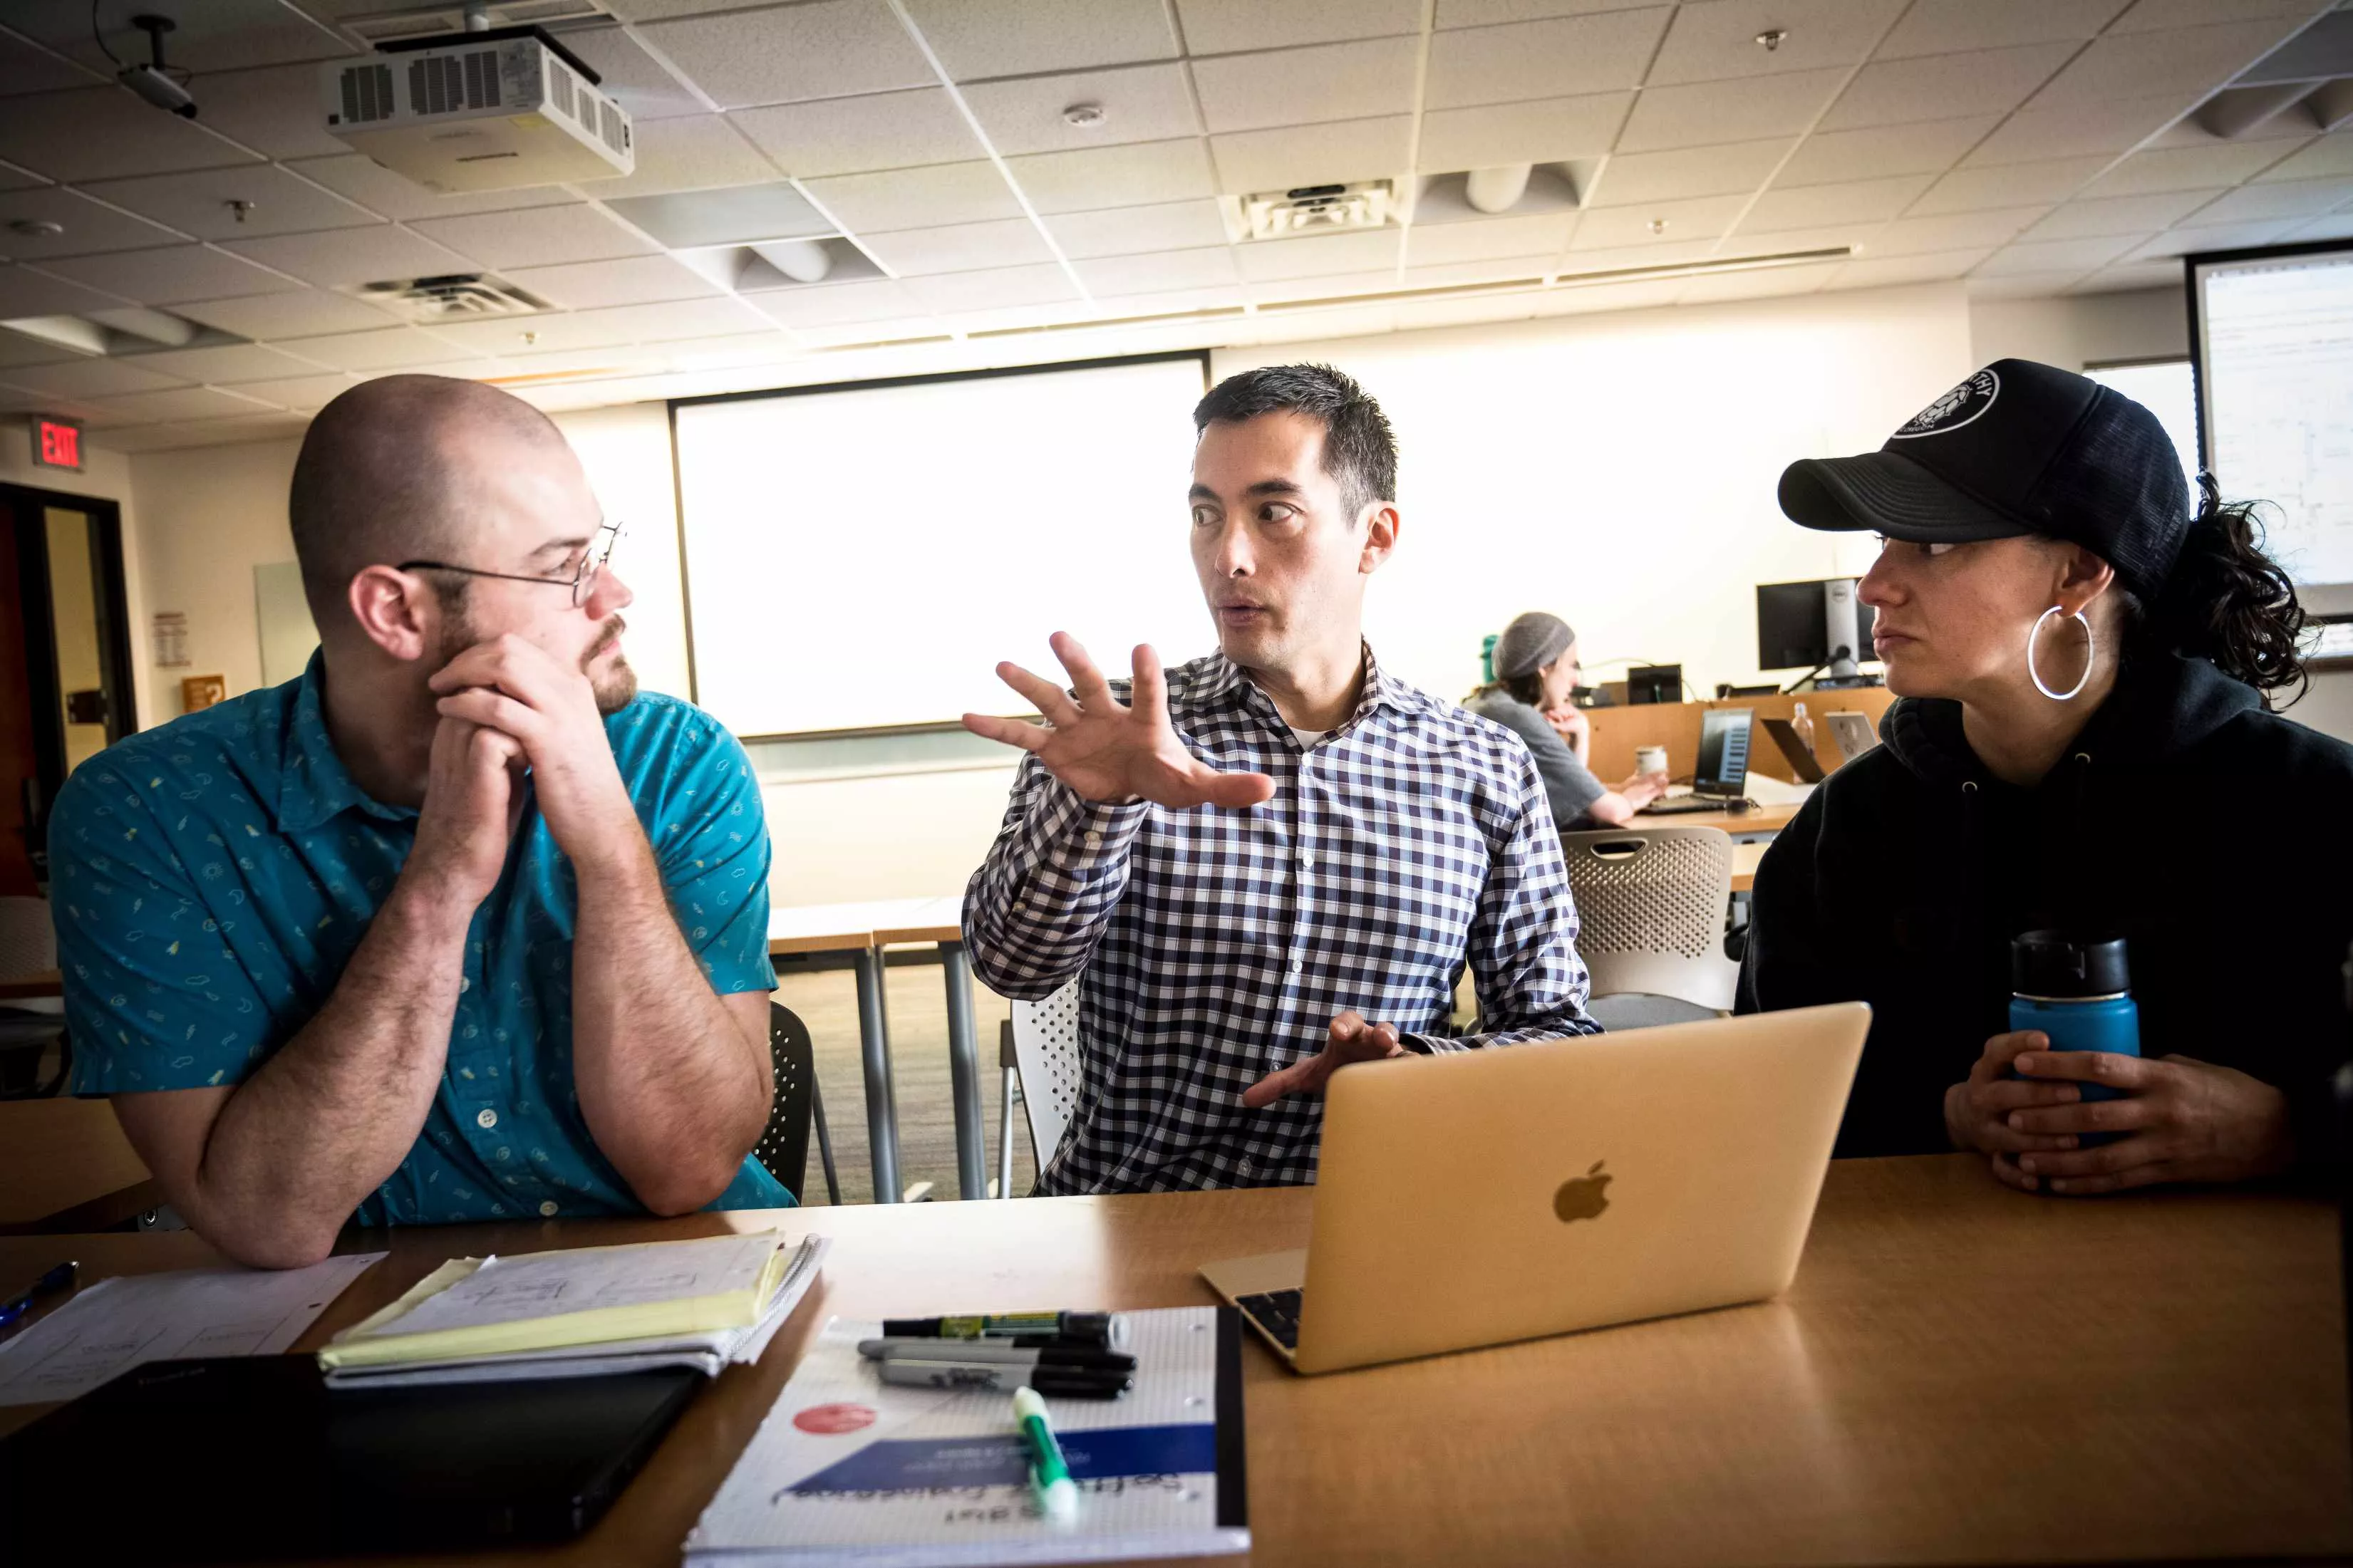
pixel 62 1278
pixel 1057 1493
pixel 1006 1352
pixel 1069 1381
pixel 1105 1329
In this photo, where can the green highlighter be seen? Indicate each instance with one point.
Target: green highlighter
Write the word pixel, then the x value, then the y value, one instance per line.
pixel 1058 1495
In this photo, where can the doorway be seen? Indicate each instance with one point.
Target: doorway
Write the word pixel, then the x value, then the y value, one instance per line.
pixel 65 661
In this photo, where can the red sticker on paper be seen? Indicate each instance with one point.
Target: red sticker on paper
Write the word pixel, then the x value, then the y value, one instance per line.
pixel 828 1420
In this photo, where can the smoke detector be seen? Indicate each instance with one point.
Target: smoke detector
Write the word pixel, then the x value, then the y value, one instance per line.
pixel 1310 209
pixel 451 297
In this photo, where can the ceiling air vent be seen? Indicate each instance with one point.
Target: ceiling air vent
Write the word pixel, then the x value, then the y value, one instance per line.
pixel 1310 209
pixel 451 297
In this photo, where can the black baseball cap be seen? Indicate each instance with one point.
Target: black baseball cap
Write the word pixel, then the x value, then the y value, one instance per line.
pixel 2017 449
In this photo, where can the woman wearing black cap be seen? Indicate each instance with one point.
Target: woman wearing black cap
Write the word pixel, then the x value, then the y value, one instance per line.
pixel 2082 745
pixel 1536 675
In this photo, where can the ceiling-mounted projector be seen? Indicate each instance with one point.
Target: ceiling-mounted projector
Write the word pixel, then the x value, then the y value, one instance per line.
pixel 479 111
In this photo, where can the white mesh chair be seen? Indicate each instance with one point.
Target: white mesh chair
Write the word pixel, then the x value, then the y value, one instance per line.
pixel 1040 1053
pixel 1651 905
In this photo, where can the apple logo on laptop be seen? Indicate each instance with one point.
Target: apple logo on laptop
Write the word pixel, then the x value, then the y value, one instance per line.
pixel 1582 1197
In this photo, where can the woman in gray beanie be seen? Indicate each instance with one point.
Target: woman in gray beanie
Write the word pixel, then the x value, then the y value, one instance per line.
pixel 1535 672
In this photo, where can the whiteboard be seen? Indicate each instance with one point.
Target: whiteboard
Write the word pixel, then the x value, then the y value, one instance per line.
pixel 2276 399
pixel 863 557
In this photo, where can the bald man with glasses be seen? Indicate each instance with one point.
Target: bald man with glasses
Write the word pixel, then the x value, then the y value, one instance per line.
pixel 458 926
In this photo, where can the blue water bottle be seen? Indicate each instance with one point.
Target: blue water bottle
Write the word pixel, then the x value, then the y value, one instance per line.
pixel 2078 991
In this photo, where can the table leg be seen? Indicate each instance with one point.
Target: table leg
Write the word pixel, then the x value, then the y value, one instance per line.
pixel 875 1047
pixel 963 1072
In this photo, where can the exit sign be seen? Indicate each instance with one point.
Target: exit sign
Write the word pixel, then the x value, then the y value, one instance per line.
pixel 56 443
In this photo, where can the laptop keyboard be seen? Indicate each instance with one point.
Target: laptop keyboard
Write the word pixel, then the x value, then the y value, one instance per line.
pixel 1276 1311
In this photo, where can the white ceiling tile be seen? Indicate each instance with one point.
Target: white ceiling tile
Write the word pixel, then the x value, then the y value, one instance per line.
pixel 1305 86
pixel 1227 26
pixel 1543 59
pixel 958 247
pixel 87 226
pixel 181 403
pixel 542 237
pixel 859 136
pixel 341 257
pixel 638 280
pixel 1612 227
pixel 229 366
pixel 309 312
pixel 1491 13
pixel 1633 179
pixel 392 348
pixel 1982 285
pixel 2011 185
pixel 836 304
pixel 1172 301
pixel 2315 160
pixel 2218 236
pixel 1953 231
pixel 2336 226
pixel 303 394
pixel 697 153
pixel 1139 104
pixel 274 110
pixel 1955 26
pixel 91 378
pixel 1945 87
pixel 2109 126
pixel 1705 113
pixel 172 275
pixel 977 38
pixel 91 133
pixel 16 349
pixel 2283 199
pixel 1716 39
pixel 1869 271
pixel 1812 207
pixel 1485 269
pixel 1133 231
pixel 13 178
pixel 632 76
pixel 2130 275
pixel 215 35
pixel 829 48
pixel 2184 62
pixel 542 342
pixel 198 203
pixel 2214 168
pixel 2153 14
pixel 1313 154
pixel 667 320
pixel 2078 255
pixel 1922 147
pixel 1328 285
pixel 1766 283
pixel 1318 256
pixel 731 215
pixel 1792 241
pixel 1546 130
pixel 2090 217
pixel 1137 176
pixel 1003 288
pixel 379 190
pixel 24 292
pixel 1166 270
pixel 917 199
pixel 1662 252
pixel 25 68
pixel 1545 234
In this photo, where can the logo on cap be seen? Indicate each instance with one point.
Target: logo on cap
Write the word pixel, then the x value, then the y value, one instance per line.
pixel 1955 409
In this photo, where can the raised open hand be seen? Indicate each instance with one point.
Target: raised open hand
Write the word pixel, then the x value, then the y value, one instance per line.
pixel 1104 750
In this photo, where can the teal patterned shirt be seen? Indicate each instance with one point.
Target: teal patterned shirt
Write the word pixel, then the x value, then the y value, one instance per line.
pixel 212 878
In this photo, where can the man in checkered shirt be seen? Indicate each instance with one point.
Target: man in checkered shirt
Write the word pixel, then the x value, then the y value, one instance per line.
pixel 1273 861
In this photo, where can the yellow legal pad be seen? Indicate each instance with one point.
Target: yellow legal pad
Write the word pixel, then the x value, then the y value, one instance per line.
pixel 549 1300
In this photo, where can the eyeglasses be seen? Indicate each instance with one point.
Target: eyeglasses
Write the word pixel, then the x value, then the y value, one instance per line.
pixel 593 563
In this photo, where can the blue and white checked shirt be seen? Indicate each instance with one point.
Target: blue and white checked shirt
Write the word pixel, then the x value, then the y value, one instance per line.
pixel 1215 946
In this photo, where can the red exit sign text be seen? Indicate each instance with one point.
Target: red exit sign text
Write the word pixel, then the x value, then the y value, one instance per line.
pixel 57 444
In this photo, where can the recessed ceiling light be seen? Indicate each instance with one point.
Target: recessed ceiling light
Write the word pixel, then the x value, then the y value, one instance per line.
pixel 36 229
pixel 1085 116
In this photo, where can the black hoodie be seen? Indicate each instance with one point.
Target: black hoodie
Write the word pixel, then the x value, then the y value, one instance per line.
pixel 2215 837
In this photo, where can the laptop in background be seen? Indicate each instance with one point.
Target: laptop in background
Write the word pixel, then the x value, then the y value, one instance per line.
pixel 1720 774
pixel 1486 1197
pixel 1794 751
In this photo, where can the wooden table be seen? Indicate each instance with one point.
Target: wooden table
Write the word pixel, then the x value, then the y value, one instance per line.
pixel 1961 1373
pixel 59 1154
pixel 1746 857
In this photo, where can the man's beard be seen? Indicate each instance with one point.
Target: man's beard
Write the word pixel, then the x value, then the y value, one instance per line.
pixel 614 689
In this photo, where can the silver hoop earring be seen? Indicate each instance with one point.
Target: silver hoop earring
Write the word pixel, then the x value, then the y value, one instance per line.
pixel 2035 675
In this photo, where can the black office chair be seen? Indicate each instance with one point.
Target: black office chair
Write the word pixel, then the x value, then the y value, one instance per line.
pixel 784 1145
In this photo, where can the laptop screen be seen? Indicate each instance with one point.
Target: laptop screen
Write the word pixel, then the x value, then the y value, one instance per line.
pixel 1723 766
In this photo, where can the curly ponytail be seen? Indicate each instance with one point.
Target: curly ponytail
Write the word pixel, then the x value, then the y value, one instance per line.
pixel 2226 599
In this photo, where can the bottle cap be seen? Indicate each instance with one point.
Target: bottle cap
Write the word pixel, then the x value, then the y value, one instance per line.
pixel 2052 964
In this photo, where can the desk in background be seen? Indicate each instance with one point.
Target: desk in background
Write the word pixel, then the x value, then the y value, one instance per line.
pixel 57 1155
pixel 1961 1374
pixel 1617 731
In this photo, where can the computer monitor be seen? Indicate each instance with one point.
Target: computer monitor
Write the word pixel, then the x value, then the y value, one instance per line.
pixel 1794 621
pixel 1654 683
pixel 1722 768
